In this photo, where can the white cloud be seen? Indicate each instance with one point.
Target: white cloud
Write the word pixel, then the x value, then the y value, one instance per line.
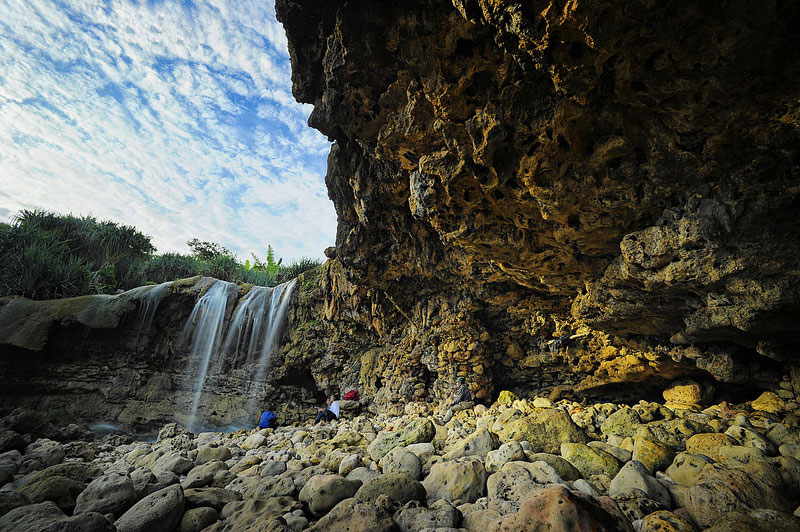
pixel 178 120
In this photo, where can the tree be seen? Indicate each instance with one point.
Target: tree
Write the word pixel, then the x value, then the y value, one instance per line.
pixel 204 250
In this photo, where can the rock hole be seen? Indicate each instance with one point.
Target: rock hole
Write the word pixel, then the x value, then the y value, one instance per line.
pixel 650 62
pixel 577 49
pixel 465 48
pixel 496 194
pixel 562 143
pixel 573 221
pixel 638 86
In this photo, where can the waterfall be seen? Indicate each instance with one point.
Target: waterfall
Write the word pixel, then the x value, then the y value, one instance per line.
pixel 279 304
pixel 205 326
pixel 148 303
pixel 248 323
pixel 255 327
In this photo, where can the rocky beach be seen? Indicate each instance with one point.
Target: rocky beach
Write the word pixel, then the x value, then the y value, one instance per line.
pixel 517 465
pixel 586 211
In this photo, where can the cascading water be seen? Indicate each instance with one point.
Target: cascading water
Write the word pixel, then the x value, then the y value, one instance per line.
pixel 148 303
pixel 205 327
pixel 254 329
pixel 279 304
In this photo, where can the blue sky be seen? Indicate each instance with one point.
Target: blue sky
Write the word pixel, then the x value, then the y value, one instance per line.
pixel 174 116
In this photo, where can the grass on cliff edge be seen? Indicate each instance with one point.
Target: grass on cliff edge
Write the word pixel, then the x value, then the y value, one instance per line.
pixel 49 256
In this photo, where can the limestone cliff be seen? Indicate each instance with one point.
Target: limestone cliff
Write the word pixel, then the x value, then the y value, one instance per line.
pixel 508 172
pixel 589 197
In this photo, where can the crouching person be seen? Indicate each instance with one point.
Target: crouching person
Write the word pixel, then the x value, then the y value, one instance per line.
pixel 462 399
pixel 329 412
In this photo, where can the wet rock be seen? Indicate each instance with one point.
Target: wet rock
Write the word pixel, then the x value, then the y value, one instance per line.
pixel 456 481
pixel 398 487
pixel 666 521
pixel 653 455
pixel 47 452
pixel 544 431
pixel 31 517
pixel 256 514
pixel 60 490
pixel 356 514
pixel 566 511
pixel 508 452
pixel 440 514
pixel 517 481
pixel 768 402
pixel 158 512
pixel 113 493
pixel 719 490
pixel 634 476
pixel 349 463
pixel 323 492
pixel 479 443
pixel 565 470
pixel 708 444
pixel 759 519
pixel 401 460
pixel 590 461
pixel 90 521
pixel 197 519
pixel 418 431
pixel 204 474
pixel 207 453
pixel 624 422
pixel 686 467
pixel 216 498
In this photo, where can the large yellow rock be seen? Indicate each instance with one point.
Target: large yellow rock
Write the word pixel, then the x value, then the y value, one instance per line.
pixel 654 455
pixel 666 521
pixel 708 444
pixel 683 392
pixel 768 402
pixel 506 398
pixel 544 429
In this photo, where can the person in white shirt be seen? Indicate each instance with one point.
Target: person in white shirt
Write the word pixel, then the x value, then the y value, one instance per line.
pixel 329 412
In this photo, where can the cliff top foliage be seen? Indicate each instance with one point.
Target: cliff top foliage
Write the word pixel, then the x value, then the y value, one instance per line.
pixel 47 255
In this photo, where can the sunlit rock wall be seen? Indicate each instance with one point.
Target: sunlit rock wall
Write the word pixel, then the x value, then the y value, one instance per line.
pixel 506 172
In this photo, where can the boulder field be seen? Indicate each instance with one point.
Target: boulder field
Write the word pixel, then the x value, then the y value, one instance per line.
pixel 518 465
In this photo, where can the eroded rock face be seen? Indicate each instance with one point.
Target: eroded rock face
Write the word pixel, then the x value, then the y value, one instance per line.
pixel 622 178
pixel 506 172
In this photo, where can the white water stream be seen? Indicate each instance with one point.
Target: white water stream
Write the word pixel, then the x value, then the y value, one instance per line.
pixel 249 341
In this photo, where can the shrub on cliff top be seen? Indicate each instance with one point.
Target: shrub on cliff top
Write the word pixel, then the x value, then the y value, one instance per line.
pixel 47 255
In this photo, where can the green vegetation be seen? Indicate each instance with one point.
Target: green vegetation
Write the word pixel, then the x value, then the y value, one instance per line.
pixel 46 255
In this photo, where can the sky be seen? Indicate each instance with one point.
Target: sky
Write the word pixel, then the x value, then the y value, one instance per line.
pixel 173 116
